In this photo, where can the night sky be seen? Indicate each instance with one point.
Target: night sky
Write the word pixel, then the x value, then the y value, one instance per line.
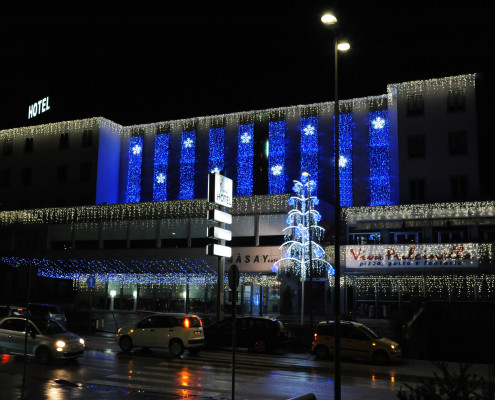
pixel 141 64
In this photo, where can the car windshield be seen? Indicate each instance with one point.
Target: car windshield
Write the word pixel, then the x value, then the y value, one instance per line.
pixel 370 332
pixel 49 326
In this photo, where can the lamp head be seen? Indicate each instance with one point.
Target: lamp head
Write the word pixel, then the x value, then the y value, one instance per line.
pixel 328 19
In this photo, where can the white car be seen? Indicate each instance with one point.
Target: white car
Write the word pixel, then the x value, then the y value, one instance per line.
pixel 175 332
pixel 46 339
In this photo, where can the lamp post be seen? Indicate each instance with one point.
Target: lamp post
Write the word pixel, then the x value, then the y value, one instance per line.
pixel 330 21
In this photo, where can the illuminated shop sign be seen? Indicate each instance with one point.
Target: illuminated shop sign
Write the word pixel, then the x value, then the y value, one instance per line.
pixel 411 256
pixel 254 259
pixel 39 107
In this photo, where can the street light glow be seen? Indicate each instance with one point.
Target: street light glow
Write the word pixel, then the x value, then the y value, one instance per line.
pixel 329 19
pixel 343 46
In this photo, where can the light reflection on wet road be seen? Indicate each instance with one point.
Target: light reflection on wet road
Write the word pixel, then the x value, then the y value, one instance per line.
pixel 154 374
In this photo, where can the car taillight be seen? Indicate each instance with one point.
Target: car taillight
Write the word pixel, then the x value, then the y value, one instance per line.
pixel 316 335
pixel 187 323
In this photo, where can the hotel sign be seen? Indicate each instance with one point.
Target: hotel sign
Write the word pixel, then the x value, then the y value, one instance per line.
pixel 39 107
pixel 411 255
pixel 220 190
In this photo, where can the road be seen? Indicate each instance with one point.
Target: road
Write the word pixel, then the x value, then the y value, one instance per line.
pixel 106 373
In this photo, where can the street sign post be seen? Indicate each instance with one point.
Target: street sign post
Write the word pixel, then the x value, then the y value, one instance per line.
pixel 219 194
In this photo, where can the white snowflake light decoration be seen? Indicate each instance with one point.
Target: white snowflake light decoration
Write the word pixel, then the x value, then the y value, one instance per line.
pixel 378 123
pixel 188 143
pixel 245 137
pixel 160 178
pixel 136 150
pixel 309 130
pixel 277 169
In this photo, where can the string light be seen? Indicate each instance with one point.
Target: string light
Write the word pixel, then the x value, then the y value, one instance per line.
pixel 346 125
pixel 276 157
pixel 216 141
pixel 245 154
pixel 161 167
pixel 309 148
pixel 134 169
pixel 302 234
pixel 379 144
pixel 187 165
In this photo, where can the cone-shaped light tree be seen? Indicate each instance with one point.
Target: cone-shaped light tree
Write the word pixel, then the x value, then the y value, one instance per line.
pixel 300 254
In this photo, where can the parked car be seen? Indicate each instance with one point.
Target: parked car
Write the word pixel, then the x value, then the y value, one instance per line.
pixel 176 332
pixel 12 311
pixel 357 341
pixel 46 340
pixel 256 333
pixel 50 311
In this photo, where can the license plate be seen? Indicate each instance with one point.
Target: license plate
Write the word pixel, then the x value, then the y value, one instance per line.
pixel 197 333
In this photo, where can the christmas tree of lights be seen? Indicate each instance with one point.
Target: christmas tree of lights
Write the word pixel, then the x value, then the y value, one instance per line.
pixel 300 253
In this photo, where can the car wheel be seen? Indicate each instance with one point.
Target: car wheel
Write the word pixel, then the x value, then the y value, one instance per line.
pixel 176 347
pixel 125 343
pixel 259 346
pixel 322 352
pixel 380 358
pixel 43 355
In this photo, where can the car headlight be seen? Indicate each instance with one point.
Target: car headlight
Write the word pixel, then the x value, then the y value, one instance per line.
pixel 60 344
pixel 81 340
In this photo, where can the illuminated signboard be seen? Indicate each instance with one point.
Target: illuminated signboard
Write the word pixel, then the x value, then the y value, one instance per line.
pixel 220 190
pixel 39 107
pixel 412 255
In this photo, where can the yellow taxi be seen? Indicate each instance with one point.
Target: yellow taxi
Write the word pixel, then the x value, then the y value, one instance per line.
pixel 357 341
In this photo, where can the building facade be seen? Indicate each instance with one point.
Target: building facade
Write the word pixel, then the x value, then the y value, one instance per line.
pixel 128 204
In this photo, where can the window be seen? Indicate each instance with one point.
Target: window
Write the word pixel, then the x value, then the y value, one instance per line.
pixel 416 146
pixel 5 178
pixel 456 101
pixel 17 325
pixel 415 105
pixel 29 145
pixel 459 187
pixel 7 147
pixel 27 176
pixel 62 173
pixel 85 173
pixel 417 188
pixel 457 143
pixel 64 141
pixel 87 138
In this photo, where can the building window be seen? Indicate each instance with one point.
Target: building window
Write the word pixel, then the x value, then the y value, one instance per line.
pixel 62 173
pixel 7 147
pixel 456 101
pixel 29 145
pixel 415 104
pixel 64 141
pixel 417 188
pixel 459 187
pixel 85 173
pixel 5 178
pixel 416 146
pixel 87 138
pixel 27 176
pixel 457 143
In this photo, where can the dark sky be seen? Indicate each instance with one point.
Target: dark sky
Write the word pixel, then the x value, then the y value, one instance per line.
pixel 140 63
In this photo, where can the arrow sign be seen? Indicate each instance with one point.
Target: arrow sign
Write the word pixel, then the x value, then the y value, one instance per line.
pixel 91 281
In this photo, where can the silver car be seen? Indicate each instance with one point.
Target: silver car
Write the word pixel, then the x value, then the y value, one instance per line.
pixel 46 339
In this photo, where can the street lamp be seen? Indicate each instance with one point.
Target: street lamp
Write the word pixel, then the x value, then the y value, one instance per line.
pixel 330 21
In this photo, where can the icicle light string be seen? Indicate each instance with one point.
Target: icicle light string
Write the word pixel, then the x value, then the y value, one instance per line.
pixel 147 211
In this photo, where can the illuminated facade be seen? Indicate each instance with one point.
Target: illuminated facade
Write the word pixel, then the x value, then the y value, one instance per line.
pixel 127 203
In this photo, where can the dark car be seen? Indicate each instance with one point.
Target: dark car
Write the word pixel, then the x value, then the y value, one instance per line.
pixel 51 311
pixel 256 333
